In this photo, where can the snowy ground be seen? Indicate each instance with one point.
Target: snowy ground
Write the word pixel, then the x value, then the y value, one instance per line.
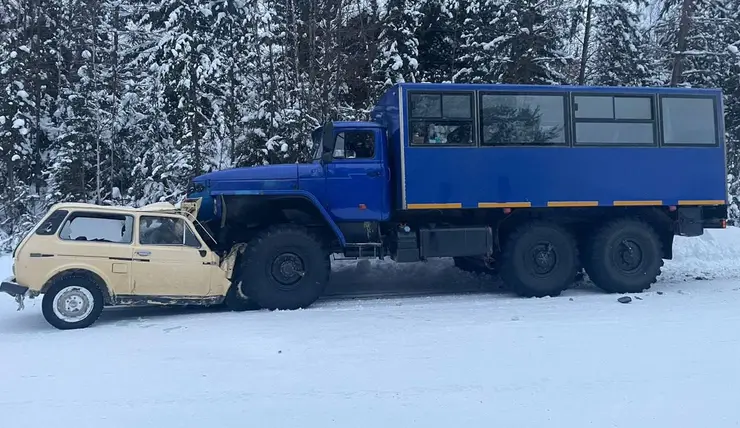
pixel 468 359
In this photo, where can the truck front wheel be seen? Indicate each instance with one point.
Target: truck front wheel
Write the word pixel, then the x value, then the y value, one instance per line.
pixel 625 256
pixel 539 259
pixel 285 267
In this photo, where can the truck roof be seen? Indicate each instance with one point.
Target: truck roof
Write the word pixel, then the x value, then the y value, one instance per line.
pixel 556 88
pixel 352 124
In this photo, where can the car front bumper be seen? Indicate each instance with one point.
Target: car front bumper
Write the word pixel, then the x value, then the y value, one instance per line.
pixel 11 287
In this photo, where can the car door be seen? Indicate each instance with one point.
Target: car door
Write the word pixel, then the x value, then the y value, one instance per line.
pixel 169 259
pixel 356 179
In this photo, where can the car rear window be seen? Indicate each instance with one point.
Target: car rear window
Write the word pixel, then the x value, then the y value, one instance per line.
pixel 98 227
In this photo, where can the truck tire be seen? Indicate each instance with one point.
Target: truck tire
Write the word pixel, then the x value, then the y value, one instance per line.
pixel 473 265
pixel 72 302
pixel 625 256
pixel 285 267
pixel 539 259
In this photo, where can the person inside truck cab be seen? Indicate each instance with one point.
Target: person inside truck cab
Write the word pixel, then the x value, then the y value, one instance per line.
pixel 355 145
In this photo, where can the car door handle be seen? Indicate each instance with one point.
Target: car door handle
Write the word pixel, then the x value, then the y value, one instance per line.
pixel 143 253
pixel 374 173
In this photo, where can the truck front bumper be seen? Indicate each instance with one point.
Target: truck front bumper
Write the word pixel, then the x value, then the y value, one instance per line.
pixel 11 287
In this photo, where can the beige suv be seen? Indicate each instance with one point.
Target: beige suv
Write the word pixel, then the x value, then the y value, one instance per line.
pixel 83 257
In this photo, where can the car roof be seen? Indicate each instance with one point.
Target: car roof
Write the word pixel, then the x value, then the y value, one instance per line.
pixel 157 207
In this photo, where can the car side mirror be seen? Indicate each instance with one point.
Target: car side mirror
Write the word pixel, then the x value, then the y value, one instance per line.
pixel 327 157
pixel 202 253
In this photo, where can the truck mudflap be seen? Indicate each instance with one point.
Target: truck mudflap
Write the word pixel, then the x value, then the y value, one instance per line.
pixel 15 290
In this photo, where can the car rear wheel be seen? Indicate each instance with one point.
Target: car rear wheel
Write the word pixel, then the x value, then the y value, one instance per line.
pixel 72 302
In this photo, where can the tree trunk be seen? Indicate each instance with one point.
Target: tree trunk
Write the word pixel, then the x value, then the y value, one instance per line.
pixel 687 9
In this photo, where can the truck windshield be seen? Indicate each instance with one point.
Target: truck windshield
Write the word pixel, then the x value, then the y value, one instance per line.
pixel 316 138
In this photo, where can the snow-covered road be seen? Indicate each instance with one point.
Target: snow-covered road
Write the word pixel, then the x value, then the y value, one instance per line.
pixel 671 359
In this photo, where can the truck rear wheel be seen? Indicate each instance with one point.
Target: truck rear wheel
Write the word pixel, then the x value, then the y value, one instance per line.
pixel 625 256
pixel 539 259
pixel 285 267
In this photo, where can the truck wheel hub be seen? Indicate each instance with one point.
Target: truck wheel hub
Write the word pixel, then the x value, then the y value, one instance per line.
pixel 628 256
pixel 287 269
pixel 544 259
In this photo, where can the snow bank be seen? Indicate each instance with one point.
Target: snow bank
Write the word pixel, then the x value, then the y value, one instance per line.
pixel 714 255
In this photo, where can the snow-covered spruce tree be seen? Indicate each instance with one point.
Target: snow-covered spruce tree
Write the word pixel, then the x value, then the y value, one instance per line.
pixel 482 39
pixel 187 66
pixel 77 149
pixel 530 47
pixel 693 40
pixel 398 48
pixel 515 41
pixel 265 140
pixel 440 35
pixel 731 89
pixel 27 74
pixel 619 48
pixel 234 97
pixel 697 40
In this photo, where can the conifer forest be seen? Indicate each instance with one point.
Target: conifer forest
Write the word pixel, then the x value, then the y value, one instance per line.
pixel 124 101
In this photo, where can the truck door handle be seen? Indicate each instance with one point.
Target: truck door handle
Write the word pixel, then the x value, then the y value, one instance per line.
pixel 374 173
pixel 143 253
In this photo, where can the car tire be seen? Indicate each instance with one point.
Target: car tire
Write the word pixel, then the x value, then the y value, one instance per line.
pixel 625 256
pixel 539 259
pixel 72 302
pixel 285 267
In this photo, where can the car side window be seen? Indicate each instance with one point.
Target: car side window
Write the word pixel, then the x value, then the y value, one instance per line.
pixel 156 230
pixel 98 227
pixel 51 225
pixel 355 145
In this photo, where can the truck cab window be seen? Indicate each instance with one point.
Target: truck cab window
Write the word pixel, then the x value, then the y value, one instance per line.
pixel 355 145
pixel 441 119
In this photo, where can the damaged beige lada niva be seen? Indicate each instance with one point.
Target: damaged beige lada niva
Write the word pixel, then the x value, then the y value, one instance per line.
pixel 83 257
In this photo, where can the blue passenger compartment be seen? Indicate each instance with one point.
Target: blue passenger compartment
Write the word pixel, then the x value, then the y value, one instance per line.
pixel 623 146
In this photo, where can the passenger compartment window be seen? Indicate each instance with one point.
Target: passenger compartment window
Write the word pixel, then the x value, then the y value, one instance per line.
pixel 155 230
pixel 614 120
pixel 98 227
pixel 688 121
pixel 441 119
pixel 522 119
pixel 355 145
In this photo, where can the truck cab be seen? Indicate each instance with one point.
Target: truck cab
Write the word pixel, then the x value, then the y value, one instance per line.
pixel 349 174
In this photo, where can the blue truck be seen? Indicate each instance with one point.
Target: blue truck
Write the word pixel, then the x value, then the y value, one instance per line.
pixel 535 183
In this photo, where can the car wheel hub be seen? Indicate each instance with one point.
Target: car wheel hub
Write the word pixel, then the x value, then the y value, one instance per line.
pixel 73 304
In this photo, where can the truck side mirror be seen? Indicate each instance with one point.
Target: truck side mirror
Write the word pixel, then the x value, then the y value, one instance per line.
pixel 328 137
pixel 326 157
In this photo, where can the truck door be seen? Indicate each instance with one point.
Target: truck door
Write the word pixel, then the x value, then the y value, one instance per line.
pixel 357 177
